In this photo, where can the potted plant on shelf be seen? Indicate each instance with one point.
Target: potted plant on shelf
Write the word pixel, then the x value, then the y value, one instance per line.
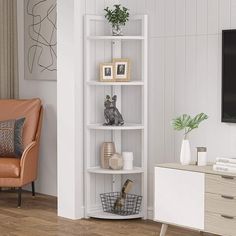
pixel 186 123
pixel 118 18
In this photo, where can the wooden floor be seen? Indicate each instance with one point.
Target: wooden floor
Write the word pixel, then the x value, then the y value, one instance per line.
pixel 37 217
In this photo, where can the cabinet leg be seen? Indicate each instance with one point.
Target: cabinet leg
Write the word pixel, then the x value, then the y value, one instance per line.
pixel 164 228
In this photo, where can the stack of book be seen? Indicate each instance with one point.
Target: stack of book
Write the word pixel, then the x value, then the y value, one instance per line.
pixel 225 164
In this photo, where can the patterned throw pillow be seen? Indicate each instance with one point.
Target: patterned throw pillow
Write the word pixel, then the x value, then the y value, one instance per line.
pixel 11 143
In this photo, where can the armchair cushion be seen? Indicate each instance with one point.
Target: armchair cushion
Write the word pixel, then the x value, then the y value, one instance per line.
pixel 9 167
pixel 11 144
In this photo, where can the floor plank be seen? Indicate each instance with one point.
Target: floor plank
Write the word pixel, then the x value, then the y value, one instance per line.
pixel 37 217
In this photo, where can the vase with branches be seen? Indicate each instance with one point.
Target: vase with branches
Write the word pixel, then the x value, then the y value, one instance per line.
pixel 187 123
pixel 117 17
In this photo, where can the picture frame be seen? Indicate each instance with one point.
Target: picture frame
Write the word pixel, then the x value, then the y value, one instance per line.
pixel 121 69
pixel 107 72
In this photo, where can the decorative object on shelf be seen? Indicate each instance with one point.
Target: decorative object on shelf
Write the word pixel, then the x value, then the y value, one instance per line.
pixel 107 150
pixel 186 123
pixel 132 203
pixel 128 185
pixel 128 158
pixel 122 203
pixel 107 72
pixel 118 18
pixel 116 162
pixel 122 69
pixel 111 113
pixel 201 156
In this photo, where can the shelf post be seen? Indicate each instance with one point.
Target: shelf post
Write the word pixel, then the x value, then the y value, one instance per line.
pixel 116 134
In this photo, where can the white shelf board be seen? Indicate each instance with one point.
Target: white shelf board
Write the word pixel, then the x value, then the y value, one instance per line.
pixel 123 127
pixel 98 170
pixel 105 215
pixel 132 83
pixel 104 37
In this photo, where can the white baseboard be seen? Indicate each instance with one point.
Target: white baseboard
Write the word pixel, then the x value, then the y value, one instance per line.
pixel 95 208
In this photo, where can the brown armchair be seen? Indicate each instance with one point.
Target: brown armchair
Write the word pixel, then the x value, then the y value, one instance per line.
pixel 15 172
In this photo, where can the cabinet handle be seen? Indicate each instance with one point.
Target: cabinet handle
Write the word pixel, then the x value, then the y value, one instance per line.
pixel 227 197
pixel 227 177
pixel 227 217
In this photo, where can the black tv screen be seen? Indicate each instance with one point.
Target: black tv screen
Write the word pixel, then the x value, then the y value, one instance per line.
pixel 229 76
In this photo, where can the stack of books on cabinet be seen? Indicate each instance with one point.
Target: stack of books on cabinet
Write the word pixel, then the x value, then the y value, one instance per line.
pixel 225 164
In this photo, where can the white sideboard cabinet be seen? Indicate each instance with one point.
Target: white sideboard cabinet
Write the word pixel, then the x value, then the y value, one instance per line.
pixel 196 198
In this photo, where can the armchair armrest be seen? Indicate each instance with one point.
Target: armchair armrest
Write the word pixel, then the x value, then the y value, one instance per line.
pixel 28 163
pixel 29 159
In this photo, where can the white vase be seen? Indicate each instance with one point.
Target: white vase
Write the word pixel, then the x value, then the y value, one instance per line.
pixel 185 154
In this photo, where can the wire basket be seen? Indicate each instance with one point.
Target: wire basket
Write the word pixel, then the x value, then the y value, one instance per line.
pixel 131 203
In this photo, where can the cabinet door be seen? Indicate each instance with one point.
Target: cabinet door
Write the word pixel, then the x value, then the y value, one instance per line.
pixel 179 197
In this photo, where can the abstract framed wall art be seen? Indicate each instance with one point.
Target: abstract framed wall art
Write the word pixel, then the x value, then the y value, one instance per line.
pixel 40 36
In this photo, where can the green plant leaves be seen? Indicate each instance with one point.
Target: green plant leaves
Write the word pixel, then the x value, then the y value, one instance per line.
pixel 181 122
pixel 120 15
pixel 194 123
pixel 187 123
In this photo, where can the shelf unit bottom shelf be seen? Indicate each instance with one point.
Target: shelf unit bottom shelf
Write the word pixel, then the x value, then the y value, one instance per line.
pixel 106 215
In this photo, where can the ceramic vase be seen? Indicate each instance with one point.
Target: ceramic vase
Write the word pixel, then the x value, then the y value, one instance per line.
pixel 185 154
pixel 107 150
pixel 128 158
pixel 116 162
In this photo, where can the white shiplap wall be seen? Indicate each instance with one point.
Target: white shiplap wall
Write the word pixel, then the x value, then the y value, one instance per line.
pixel 184 73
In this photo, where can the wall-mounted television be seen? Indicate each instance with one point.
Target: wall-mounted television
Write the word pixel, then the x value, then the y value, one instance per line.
pixel 228 76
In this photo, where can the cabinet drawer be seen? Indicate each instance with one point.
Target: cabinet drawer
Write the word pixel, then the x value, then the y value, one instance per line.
pixel 222 185
pixel 221 204
pixel 220 224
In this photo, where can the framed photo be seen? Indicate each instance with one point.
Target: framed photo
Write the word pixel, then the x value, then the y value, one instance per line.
pixel 122 69
pixel 107 72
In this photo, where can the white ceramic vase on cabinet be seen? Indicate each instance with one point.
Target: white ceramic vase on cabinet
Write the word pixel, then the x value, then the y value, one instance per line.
pixel 185 154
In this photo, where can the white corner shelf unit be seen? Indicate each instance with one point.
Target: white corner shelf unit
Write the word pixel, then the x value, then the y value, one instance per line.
pixel 100 47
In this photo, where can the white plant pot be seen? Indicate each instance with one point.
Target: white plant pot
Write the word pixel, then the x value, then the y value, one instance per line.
pixel 185 154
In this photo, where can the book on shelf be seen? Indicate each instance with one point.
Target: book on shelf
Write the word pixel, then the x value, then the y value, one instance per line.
pixel 225 164
pixel 226 160
pixel 224 168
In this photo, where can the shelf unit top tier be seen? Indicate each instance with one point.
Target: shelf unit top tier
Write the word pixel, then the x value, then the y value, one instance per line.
pixel 134 18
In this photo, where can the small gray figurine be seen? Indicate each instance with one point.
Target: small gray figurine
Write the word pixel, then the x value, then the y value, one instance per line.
pixel 111 113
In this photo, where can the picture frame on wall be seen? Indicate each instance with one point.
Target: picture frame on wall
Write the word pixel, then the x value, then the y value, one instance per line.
pixel 122 69
pixel 107 72
pixel 40 40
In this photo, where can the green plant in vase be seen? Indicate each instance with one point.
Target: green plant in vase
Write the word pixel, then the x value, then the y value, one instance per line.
pixel 117 17
pixel 188 124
